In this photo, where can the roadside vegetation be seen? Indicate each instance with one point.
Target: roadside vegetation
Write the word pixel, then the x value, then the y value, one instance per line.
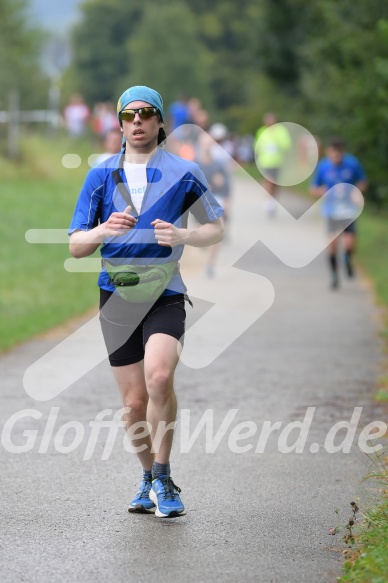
pixel 366 534
pixel 38 192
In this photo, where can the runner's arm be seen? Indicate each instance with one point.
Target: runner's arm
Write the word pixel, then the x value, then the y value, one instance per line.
pixel 317 191
pixel 84 243
pixel 168 235
pixel 361 185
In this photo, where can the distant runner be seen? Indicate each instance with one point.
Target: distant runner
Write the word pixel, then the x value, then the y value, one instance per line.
pixel 272 141
pixel 340 172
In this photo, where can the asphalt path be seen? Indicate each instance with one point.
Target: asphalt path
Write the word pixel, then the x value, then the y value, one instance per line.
pixel 281 342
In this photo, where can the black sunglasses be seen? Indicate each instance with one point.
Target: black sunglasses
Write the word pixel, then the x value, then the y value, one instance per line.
pixel 144 113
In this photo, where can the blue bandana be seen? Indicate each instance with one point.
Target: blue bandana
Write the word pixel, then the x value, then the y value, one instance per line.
pixel 141 93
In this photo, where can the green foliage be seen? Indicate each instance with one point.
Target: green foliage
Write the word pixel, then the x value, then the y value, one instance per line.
pixel 179 43
pixel 369 563
pixel 138 43
pixel 171 58
pixel 344 81
pixel 229 31
pixel 373 250
pixel 382 395
pixel 283 30
pixel 99 55
pixel 19 56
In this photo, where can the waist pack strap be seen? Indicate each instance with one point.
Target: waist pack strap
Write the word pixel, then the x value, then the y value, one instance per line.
pixel 177 267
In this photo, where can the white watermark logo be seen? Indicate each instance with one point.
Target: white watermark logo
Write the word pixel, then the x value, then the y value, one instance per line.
pixel 107 431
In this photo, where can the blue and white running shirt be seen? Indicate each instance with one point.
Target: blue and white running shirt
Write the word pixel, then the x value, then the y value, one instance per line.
pixel 174 186
pixel 338 204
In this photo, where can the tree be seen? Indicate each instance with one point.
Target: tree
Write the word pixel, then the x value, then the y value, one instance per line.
pixel 229 31
pixel 221 37
pixel 166 53
pixel 19 56
pixel 344 81
pixel 98 43
pixel 283 30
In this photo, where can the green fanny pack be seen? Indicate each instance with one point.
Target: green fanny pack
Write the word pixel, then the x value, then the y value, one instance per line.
pixel 141 283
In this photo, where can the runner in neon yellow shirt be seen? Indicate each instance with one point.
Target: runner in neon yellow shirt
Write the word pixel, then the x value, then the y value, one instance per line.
pixel 271 144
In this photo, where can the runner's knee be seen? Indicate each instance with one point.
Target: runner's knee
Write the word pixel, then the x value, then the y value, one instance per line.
pixel 159 383
pixel 136 407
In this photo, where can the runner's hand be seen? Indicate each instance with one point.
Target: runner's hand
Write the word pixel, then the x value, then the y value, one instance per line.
pixel 119 223
pixel 167 234
pixel 357 197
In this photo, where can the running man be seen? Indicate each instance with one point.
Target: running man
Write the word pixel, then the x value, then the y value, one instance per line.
pixel 338 173
pixel 141 198
pixel 112 144
pixel 218 177
pixel 272 141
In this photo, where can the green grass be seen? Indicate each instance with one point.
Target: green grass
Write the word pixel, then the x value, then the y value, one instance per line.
pixel 382 385
pixel 372 255
pixel 367 561
pixel 37 293
pixel 373 251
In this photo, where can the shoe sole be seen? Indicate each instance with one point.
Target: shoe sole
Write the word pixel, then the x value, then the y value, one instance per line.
pixel 172 514
pixel 139 509
pixel 159 514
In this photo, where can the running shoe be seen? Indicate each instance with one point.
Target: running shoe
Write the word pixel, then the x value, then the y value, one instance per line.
pixel 165 494
pixel 334 280
pixel 141 502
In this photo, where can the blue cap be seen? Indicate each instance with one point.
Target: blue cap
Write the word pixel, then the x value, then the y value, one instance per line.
pixel 141 93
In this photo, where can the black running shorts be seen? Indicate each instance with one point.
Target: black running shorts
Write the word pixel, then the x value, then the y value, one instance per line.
pixel 340 225
pixel 127 326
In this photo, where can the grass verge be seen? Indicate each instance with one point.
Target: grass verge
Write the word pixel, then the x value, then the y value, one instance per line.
pixel 373 251
pixel 372 255
pixel 367 559
pixel 38 192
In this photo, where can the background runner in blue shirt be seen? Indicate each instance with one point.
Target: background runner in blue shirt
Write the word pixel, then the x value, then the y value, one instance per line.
pixel 338 173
